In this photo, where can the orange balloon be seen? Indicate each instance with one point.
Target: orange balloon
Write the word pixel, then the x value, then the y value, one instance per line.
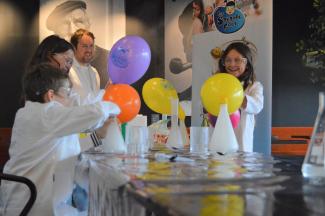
pixel 126 97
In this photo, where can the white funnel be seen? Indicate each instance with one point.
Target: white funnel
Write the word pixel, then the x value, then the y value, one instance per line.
pixel 114 142
pixel 175 139
pixel 223 138
pixel 185 137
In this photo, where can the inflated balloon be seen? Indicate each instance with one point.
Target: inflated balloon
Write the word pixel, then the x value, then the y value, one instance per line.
pixel 126 97
pixel 222 88
pixel 212 119
pixel 157 92
pixel 181 113
pixel 129 59
pixel 234 118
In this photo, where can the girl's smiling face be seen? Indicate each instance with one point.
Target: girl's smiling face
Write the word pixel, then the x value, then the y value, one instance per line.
pixel 235 63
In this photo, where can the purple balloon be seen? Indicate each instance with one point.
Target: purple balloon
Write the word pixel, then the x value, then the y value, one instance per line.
pixel 128 60
pixel 212 119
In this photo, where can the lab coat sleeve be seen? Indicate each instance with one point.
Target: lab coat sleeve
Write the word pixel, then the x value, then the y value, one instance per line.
pixel 255 98
pixel 97 79
pixel 90 98
pixel 89 141
pixel 64 121
pixel 97 94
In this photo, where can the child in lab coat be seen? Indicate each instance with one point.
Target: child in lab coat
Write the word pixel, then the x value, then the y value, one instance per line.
pixel 44 130
pixel 237 59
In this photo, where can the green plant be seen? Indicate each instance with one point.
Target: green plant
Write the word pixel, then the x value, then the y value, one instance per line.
pixel 313 48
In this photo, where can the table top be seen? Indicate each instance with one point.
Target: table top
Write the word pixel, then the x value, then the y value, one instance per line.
pixel 178 183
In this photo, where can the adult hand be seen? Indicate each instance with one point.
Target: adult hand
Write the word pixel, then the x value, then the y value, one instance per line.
pixel 109 82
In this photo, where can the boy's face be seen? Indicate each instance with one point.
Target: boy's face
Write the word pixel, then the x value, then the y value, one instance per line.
pixel 230 9
pixel 63 94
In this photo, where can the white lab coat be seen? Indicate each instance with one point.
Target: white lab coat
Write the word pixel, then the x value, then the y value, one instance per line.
pixel 245 130
pixel 44 134
pixel 85 81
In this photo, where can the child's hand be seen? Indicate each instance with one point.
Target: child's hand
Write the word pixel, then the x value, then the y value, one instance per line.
pixel 102 131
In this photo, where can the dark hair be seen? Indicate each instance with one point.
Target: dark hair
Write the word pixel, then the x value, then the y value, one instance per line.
pixel 202 15
pixel 248 77
pixel 230 4
pixel 78 34
pixel 40 79
pixel 51 45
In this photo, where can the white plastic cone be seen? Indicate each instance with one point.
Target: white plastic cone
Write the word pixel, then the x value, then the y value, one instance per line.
pixel 185 137
pixel 175 138
pixel 114 142
pixel 223 138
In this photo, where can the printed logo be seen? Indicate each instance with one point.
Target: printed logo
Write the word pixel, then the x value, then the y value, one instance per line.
pixel 228 19
pixel 119 57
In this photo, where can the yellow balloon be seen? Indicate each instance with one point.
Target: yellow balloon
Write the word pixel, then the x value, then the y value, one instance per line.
pixel 222 88
pixel 181 113
pixel 157 92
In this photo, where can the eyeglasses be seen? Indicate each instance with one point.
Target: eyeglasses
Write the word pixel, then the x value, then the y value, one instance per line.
pixel 237 61
pixel 69 61
pixel 64 57
pixel 65 90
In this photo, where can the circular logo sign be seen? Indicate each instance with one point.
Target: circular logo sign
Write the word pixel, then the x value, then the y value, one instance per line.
pixel 228 19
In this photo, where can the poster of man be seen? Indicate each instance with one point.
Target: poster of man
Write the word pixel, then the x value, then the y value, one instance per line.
pixel 106 19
